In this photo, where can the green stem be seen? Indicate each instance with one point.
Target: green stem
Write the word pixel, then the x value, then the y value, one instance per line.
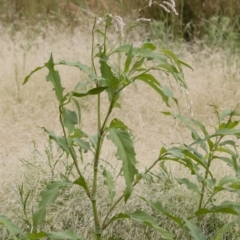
pixel 101 132
pixel 70 149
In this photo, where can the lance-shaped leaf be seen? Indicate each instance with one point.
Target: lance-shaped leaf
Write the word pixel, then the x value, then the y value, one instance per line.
pixel 128 60
pixel 9 225
pixel 31 73
pixel 69 120
pixel 195 232
pixel 228 207
pixel 61 141
pixel 109 182
pixel 110 79
pixel 54 77
pixel 144 218
pixel 152 82
pixel 125 153
pixel 48 196
pixel 80 66
pixel 141 52
pixel 223 231
pixel 157 206
pixel 68 234
pixel 93 91
pixel 190 185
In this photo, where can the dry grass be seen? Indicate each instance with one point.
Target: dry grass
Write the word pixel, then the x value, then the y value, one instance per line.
pixel 23 109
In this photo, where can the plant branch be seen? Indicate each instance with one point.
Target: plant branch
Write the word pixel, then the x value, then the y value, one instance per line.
pixel 134 184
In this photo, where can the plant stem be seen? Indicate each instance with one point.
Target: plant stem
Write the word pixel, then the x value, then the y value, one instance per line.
pixel 70 149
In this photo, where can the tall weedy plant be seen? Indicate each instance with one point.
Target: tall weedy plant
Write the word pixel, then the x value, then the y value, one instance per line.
pixel 139 65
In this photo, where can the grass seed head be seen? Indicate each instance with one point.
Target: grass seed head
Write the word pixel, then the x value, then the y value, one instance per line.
pixel 143 20
pixel 119 24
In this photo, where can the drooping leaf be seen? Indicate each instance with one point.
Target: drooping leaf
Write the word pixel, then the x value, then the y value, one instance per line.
pixel 68 234
pixel 32 72
pixel 228 207
pixel 80 66
pixel 9 225
pixel 109 182
pixel 69 120
pixel 93 91
pixel 190 185
pixel 54 77
pixel 195 232
pixel 48 196
pixel 152 82
pixel 61 141
pixel 157 206
pixel 144 218
pixel 125 153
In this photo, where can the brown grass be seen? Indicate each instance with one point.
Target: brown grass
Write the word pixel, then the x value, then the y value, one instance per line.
pixel 23 109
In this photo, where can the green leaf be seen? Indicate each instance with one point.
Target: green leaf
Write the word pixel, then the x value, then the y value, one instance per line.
pixel 190 185
pixel 61 141
pixel 110 79
pixel 82 183
pixel 54 78
pixel 176 152
pixel 80 66
pixel 224 132
pixel 117 123
pixel 224 113
pixel 152 82
pixel 148 45
pixel 157 206
pixel 226 179
pixel 82 144
pixel 32 72
pixel 109 182
pixel 142 217
pixel 195 232
pixel 93 91
pixel 126 153
pixel 223 231
pixel 78 110
pixel 48 196
pixel 9 225
pixel 34 236
pixel 146 53
pixel 68 234
pixel 69 120
pixel 128 60
pixel 228 207
pixel 137 64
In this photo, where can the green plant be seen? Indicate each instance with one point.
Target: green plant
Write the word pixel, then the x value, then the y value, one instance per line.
pixel 111 79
